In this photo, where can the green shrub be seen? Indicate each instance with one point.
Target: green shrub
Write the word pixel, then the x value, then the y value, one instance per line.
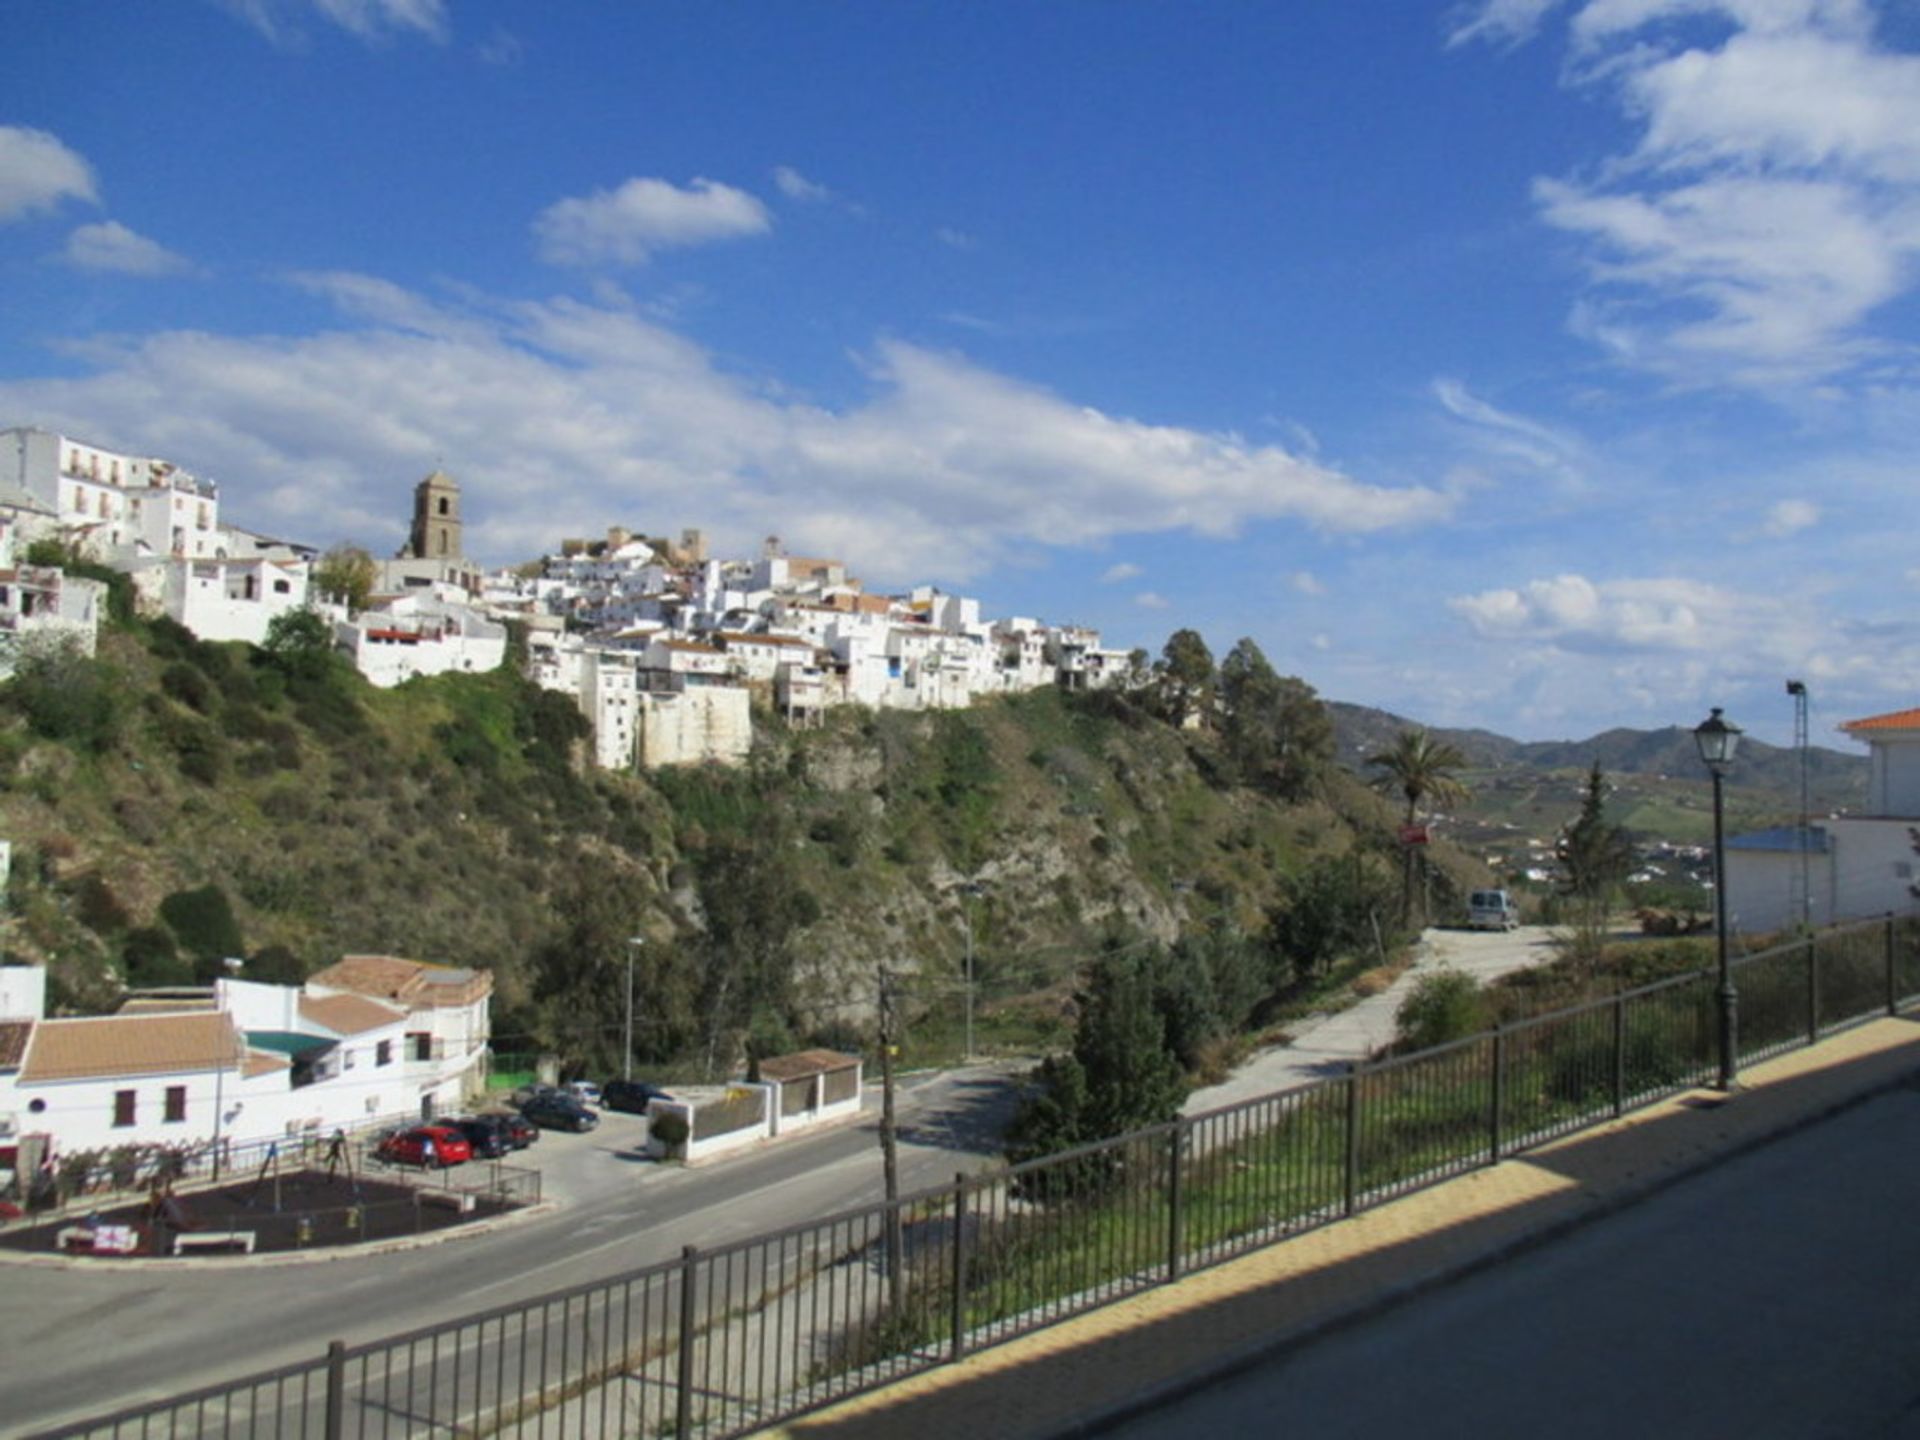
pixel 1442 1007
pixel 188 685
pixel 69 697
pixel 149 957
pixel 202 920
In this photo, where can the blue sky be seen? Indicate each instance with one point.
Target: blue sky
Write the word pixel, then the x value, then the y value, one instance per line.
pixel 1530 365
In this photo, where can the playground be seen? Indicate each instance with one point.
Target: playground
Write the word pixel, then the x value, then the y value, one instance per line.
pixel 274 1211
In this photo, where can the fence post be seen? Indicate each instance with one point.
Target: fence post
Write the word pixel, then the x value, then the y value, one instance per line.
pixel 1813 992
pixel 1176 1149
pixel 336 1389
pixel 1497 1098
pixel 1619 1055
pixel 959 1347
pixel 683 1397
pixel 1893 988
pixel 1352 1184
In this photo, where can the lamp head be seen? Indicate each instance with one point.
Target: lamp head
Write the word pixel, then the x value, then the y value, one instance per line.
pixel 1717 740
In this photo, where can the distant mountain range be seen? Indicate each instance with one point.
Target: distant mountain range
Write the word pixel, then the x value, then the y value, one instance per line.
pixel 1835 780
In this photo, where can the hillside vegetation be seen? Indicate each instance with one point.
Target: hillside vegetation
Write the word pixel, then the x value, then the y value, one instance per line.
pixel 173 803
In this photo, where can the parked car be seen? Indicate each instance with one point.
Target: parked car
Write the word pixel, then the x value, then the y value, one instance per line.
pixel 630 1095
pixel 528 1092
pixel 485 1134
pixel 559 1112
pixel 411 1147
pixel 1492 910
pixel 585 1091
pixel 520 1131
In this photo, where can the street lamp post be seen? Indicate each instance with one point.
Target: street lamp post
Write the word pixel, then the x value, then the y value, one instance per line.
pixel 971 890
pixel 1717 739
pixel 626 1049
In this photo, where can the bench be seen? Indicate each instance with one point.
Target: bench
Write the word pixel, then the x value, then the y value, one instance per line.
pixel 459 1200
pixel 214 1240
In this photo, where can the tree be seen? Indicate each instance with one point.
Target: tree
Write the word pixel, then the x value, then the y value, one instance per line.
pixel 1331 910
pixel 68 696
pixel 1418 767
pixel 1185 678
pixel 300 642
pixel 1277 732
pixel 345 574
pixel 1121 1076
pixel 1595 858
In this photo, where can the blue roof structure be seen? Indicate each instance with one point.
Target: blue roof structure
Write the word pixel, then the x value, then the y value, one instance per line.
pixel 1783 839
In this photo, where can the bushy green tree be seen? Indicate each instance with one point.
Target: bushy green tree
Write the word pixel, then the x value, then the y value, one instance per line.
pixel 1338 907
pixel 202 920
pixel 1595 856
pixel 1184 679
pixel 345 574
pixel 1122 1074
pixel 1277 732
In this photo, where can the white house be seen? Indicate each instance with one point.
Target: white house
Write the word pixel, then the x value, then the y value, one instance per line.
pixel 407 635
pixel 108 502
pixel 225 599
pixel 45 602
pixel 1846 867
pixel 373 1037
pixel 448 1019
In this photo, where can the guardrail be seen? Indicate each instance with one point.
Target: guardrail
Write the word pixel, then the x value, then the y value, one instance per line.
pixel 724 1341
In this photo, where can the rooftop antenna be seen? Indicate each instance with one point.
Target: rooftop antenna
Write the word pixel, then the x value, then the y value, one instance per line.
pixel 1798 690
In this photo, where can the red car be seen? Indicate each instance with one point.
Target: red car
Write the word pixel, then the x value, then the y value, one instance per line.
pixel 439 1145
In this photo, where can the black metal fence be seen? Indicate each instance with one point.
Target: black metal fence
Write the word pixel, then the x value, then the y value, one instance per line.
pixel 724 1341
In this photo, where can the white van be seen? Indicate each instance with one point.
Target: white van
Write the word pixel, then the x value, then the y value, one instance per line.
pixel 1492 910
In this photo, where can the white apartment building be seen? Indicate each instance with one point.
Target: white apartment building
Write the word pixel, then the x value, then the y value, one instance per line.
pixel 402 636
pixel 108 503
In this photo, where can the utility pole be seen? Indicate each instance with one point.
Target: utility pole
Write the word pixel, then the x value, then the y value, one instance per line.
pixel 889 1144
pixel 626 1051
pixel 1798 690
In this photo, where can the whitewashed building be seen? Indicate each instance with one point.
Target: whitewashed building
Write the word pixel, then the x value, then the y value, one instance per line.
pixel 1845 867
pixel 399 637
pixel 44 604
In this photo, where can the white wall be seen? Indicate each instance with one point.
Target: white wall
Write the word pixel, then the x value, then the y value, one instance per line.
pixel 704 722
pixel 1868 871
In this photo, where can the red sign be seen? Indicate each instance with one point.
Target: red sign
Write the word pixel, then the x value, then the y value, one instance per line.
pixel 1413 834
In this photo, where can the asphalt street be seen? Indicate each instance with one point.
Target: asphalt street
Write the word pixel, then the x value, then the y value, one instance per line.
pixel 86 1339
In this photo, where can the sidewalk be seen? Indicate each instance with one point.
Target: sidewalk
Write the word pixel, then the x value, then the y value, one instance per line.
pixel 1078 1377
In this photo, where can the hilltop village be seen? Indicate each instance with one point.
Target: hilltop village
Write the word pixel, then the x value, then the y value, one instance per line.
pixel 663 646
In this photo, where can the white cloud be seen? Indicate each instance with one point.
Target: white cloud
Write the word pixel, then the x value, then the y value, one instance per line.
pixel 1650 616
pixel 1501 22
pixel 796 186
pixel 110 245
pixel 1770 205
pixel 1304 583
pixel 1500 435
pixel 1151 600
pixel 1125 570
pixel 370 20
pixel 37 172
pixel 562 417
pixel 1789 517
pixel 625 225
pixel 956 239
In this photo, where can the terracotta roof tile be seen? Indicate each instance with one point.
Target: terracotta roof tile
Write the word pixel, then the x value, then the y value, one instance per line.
pixel 349 1014
pixel 1896 720
pixel 113 1045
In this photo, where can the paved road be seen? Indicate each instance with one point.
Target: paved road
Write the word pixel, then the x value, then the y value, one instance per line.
pixel 79 1341
pixel 1327 1045
pixel 1773 1296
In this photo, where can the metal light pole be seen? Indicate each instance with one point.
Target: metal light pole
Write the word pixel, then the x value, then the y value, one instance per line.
pixel 1717 739
pixel 626 1049
pixel 1798 690
pixel 971 890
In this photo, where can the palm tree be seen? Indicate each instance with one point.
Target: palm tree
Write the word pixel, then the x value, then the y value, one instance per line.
pixel 1418 767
